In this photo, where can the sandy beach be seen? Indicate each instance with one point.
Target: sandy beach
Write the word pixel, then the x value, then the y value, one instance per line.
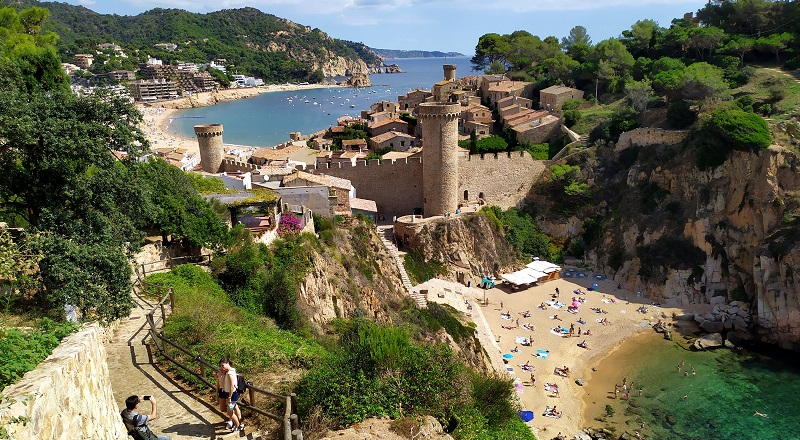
pixel 158 115
pixel 625 323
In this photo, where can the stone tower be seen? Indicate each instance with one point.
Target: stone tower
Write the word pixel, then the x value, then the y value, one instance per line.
pixel 439 157
pixel 449 72
pixel 209 137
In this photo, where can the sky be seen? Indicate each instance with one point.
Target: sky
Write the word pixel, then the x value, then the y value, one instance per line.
pixel 446 25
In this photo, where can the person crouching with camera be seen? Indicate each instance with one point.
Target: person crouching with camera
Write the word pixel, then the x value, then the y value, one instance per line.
pixel 136 423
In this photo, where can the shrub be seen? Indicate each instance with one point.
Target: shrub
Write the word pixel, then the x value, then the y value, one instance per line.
pixel 420 270
pixel 571 104
pixel 205 184
pixel 22 350
pixel 491 144
pixel 725 130
pixel 572 117
pixel 520 229
pixel 537 151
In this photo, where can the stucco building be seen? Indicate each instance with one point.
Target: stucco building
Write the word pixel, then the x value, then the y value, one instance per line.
pixel 553 97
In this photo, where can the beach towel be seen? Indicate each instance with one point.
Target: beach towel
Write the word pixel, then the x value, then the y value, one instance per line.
pixel 506 317
pixel 519 389
pixel 522 340
pixel 606 300
pixel 551 388
pixel 508 356
pixel 542 354
pixel 526 416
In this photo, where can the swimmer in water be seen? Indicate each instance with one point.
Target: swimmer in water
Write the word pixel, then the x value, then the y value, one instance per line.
pixel 760 414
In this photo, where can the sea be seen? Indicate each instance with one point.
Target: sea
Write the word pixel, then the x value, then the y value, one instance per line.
pixel 267 119
pixel 717 399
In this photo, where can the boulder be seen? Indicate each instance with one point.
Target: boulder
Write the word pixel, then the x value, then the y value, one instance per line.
pixel 582 436
pixel 712 340
pixel 729 344
pixel 685 317
pixel 738 323
pixel 712 326
pixel 716 300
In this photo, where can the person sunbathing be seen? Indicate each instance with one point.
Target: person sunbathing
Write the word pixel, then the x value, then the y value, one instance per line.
pixel 526 314
pixel 583 344
pixel 588 332
pixel 508 327
pixel 555 317
pixel 581 321
pixel 542 306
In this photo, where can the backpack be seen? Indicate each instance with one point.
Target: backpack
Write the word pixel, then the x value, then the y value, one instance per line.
pixel 241 384
pixel 140 433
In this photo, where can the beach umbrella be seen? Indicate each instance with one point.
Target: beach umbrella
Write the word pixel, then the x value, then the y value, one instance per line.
pixel 576 304
pixel 526 416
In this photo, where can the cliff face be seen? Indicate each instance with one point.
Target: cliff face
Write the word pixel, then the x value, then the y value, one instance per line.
pixel 351 276
pixel 680 234
pixel 467 243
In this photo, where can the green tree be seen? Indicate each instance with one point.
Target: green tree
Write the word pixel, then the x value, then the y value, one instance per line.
pixel 638 94
pixel 30 50
pixel 491 48
pixel 774 43
pixel 725 130
pixel 740 46
pixel 705 39
pixel 577 35
pixel 641 37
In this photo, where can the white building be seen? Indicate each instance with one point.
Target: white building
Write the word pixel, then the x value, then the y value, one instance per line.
pixel 214 65
pixel 189 67
pixel 154 61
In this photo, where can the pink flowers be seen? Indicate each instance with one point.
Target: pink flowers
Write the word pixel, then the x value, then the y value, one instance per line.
pixel 289 224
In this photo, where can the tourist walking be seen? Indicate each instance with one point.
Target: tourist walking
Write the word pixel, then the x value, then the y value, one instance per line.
pixel 229 394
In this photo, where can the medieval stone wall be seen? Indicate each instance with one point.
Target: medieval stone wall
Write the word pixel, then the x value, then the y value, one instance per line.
pixel 67 396
pixel 645 136
pixel 395 186
pixel 503 179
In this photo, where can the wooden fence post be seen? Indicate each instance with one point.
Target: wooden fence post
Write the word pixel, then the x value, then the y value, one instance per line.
pixel 293 399
pixel 251 394
pixel 172 300
pixel 295 421
pixel 163 313
pixel 202 366
pixel 297 434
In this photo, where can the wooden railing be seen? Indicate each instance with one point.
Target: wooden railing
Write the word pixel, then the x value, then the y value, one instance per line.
pixel 288 420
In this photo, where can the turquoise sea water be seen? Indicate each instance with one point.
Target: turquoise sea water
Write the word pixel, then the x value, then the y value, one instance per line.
pixel 718 403
pixel 267 119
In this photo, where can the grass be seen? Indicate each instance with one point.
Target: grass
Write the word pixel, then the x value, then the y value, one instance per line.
pixel 591 117
pixel 207 323
pixel 764 80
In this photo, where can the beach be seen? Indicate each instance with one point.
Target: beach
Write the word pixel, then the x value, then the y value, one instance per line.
pixel 624 324
pixel 158 115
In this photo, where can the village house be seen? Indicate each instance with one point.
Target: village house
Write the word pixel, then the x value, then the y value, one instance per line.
pixel 505 89
pixel 118 75
pixel 480 129
pixel 553 97
pixel 538 131
pixel 339 189
pixel 524 116
pixel 357 145
pixel 272 156
pixel 411 100
pixel 487 81
pixel 394 140
pixel 84 60
pixel 387 125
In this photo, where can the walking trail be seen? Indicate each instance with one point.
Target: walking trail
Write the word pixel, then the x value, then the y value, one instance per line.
pixel 182 415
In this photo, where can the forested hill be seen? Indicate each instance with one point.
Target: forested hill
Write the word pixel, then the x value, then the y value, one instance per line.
pixel 396 53
pixel 254 42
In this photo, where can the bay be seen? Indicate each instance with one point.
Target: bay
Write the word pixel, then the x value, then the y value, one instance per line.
pixel 267 119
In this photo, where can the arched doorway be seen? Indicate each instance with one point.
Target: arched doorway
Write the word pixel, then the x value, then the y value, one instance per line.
pixel 480 196
pixel 466 194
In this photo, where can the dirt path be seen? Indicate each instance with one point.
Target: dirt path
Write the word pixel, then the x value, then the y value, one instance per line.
pixel 181 415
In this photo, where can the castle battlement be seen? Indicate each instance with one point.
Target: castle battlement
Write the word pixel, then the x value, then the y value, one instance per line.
pixel 373 163
pixel 232 165
pixel 501 156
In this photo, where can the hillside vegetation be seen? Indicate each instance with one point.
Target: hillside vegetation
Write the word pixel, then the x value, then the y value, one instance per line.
pixel 251 41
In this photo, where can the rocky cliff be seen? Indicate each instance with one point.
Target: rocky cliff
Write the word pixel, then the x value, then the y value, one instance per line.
pixel 679 234
pixel 468 243
pixel 351 275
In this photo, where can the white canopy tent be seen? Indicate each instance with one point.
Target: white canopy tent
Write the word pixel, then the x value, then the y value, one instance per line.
pixel 534 272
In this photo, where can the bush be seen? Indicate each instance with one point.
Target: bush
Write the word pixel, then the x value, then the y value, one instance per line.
pixel 206 322
pixel 571 104
pixel 572 117
pixel 420 270
pixel 22 350
pixel 725 130
pixel 491 144
pixel 205 184
pixel 520 229
pixel 537 151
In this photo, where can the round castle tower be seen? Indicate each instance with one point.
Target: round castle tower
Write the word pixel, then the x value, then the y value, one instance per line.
pixel 449 72
pixel 209 138
pixel 439 157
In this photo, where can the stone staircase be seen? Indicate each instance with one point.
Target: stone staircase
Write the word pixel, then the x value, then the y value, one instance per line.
pixel 386 234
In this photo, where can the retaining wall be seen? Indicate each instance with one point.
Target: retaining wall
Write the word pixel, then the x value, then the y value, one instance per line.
pixel 68 396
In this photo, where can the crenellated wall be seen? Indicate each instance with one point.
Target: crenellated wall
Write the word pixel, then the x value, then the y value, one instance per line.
pixel 68 396
pixel 504 179
pixel 645 136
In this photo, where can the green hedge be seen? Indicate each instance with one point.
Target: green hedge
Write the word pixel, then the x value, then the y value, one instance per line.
pixel 725 130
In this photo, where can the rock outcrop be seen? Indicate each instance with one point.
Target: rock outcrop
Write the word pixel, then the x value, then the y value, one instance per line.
pixel 682 235
pixel 351 276
pixel 383 429
pixel 467 243
pixel 359 80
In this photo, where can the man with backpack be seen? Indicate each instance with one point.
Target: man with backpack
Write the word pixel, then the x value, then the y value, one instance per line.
pixel 136 423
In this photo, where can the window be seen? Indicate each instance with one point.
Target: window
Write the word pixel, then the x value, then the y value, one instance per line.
pixel 466 194
pixel 480 196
